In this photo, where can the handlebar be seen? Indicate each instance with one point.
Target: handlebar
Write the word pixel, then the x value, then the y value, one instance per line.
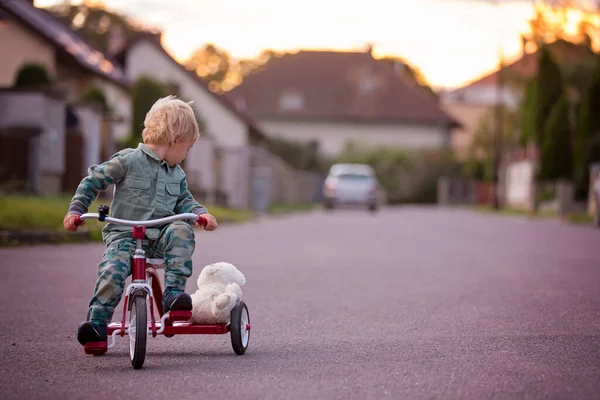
pixel 161 221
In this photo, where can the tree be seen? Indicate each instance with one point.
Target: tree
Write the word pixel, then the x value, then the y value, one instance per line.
pixel 551 22
pixel 101 27
pixel 556 157
pixel 146 91
pixel 212 64
pixel 528 121
pixel 480 161
pixel 587 141
pixel 220 70
pixel 548 88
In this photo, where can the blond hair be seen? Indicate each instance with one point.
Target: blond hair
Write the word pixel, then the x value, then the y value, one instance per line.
pixel 168 120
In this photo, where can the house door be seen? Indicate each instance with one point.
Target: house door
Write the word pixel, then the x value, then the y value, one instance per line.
pixel 74 152
pixel 14 159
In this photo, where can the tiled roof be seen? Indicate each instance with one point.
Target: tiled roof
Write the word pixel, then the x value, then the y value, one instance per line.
pixel 64 39
pixel 336 86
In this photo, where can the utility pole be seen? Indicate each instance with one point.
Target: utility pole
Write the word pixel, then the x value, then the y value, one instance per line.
pixel 499 115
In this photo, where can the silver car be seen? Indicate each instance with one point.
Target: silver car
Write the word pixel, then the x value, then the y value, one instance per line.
pixel 351 184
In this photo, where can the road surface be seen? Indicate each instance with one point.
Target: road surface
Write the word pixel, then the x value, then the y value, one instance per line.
pixel 415 303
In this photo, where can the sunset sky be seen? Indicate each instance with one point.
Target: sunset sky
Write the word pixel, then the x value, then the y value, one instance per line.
pixel 451 41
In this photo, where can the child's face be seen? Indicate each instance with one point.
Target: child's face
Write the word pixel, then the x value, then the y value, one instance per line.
pixel 177 152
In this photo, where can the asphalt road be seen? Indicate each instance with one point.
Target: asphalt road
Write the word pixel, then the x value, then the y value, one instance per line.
pixel 414 303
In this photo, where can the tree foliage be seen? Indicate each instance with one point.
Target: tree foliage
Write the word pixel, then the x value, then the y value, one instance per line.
pixel 551 22
pixel 222 71
pixel 480 161
pixel 97 24
pixel 587 142
pixel 549 88
pixel 146 91
pixel 528 121
pixel 556 159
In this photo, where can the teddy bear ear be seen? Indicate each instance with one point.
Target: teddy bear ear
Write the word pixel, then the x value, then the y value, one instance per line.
pixel 241 278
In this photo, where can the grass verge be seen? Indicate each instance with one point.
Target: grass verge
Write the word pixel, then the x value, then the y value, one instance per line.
pixel 576 218
pixel 284 208
pixel 41 218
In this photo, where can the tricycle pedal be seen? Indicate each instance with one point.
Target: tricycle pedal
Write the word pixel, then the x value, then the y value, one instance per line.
pixel 176 315
pixel 95 348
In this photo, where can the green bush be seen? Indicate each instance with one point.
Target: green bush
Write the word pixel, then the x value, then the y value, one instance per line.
pixel 96 95
pixel 406 176
pixel 32 75
pixel 303 156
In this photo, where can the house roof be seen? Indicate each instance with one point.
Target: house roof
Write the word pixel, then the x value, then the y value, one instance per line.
pixel 526 66
pixel 336 86
pixel 64 39
pixel 154 39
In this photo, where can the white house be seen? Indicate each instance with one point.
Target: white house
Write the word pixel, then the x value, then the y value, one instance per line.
pixel 31 35
pixel 220 162
pixel 332 97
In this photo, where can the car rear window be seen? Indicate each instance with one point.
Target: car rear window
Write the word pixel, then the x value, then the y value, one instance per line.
pixel 354 177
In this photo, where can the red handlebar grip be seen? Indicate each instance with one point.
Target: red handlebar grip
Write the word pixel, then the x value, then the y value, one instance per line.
pixel 202 221
pixel 78 221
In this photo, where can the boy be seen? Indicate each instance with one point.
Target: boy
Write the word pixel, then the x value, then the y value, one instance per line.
pixel 149 184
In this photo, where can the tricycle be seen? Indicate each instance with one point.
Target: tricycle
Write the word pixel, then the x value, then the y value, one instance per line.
pixel 144 294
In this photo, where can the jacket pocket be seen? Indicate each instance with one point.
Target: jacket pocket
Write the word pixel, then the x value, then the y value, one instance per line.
pixel 173 191
pixel 137 190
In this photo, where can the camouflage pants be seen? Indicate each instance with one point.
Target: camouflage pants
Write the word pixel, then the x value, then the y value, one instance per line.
pixel 175 244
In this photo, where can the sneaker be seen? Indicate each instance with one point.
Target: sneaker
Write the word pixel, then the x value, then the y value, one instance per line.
pixel 92 331
pixel 176 300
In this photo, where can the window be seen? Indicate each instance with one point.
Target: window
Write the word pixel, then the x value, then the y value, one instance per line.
pixel 367 84
pixel 291 100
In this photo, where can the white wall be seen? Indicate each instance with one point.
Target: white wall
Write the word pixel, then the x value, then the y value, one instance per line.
pixel 519 183
pixel 198 164
pixel 145 59
pixel 333 136
pixel 90 122
pixel 18 46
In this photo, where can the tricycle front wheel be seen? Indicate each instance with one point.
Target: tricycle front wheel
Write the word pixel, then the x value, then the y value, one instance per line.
pixel 138 330
pixel 239 328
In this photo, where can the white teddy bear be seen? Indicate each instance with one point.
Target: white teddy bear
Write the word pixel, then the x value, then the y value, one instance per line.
pixel 218 292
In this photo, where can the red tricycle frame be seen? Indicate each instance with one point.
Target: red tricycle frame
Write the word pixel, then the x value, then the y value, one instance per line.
pixel 145 292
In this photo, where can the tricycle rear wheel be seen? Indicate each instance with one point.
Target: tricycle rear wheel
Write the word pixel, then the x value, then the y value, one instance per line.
pixel 239 328
pixel 138 330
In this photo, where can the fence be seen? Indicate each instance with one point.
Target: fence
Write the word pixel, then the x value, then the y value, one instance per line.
pixel 281 182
